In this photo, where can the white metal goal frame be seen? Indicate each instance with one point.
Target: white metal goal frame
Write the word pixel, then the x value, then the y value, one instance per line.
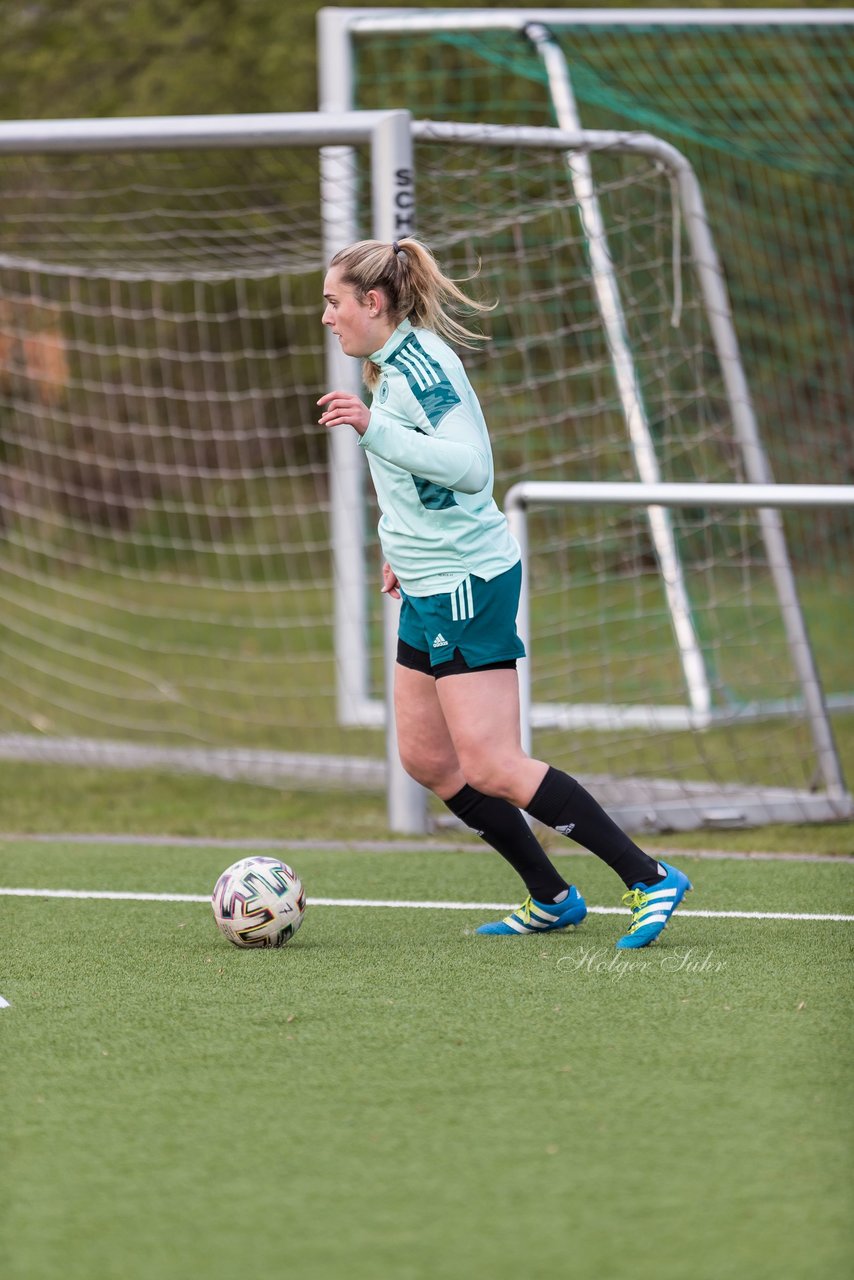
pixel 689 805
pixel 388 136
pixel 406 803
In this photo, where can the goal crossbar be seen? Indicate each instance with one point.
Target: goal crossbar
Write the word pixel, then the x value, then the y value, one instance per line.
pixel 374 21
pixel 176 133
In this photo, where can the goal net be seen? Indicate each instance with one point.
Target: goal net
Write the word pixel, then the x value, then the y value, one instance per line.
pixel 167 567
pixel 166 578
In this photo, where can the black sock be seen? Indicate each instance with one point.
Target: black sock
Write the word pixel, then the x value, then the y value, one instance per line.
pixel 561 802
pixel 501 824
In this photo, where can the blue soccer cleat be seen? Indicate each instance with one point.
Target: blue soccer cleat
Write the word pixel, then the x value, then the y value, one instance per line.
pixel 652 906
pixel 540 917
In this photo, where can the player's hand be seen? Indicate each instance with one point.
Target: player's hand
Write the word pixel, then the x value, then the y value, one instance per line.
pixel 342 408
pixel 391 586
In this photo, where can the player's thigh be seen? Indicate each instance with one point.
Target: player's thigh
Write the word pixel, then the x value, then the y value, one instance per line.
pixel 481 711
pixel 426 749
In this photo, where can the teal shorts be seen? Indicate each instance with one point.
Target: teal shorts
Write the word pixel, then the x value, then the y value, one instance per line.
pixel 467 629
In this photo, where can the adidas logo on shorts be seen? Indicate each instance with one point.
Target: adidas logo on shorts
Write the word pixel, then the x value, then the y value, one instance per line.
pixel 440 642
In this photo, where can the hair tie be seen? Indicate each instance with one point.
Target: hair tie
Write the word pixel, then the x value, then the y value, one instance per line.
pixel 395 248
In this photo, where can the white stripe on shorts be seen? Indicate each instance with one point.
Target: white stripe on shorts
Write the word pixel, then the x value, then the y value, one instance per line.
pixel 462 602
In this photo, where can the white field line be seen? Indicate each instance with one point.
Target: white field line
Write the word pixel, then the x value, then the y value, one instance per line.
pixel 90 894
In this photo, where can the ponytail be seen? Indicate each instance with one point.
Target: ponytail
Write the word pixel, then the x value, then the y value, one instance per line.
pixel 416 288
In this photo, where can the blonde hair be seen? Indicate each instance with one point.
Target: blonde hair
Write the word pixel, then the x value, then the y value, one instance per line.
pixel 415 287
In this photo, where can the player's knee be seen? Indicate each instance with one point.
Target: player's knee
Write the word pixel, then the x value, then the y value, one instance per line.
pixel 493 775
pixel 430 770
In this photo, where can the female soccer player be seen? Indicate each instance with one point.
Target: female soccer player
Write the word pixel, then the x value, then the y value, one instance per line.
pixel 451 559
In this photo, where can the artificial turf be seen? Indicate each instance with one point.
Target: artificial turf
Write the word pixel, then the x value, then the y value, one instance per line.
pixel 392 1096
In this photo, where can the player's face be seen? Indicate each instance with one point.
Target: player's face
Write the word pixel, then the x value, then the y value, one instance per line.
pixel 357 323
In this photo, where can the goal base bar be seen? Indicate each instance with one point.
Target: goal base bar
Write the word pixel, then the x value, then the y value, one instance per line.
pixel 232 764
pixel 370 713
pixel 661 804
pixel 652 716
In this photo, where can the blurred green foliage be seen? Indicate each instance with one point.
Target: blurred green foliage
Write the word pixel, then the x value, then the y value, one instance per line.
pixel 156 57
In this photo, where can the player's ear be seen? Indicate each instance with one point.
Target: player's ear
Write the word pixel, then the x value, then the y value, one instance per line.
pixel 375 300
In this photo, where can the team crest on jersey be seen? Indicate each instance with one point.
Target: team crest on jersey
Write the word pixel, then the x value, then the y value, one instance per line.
pixel 382 394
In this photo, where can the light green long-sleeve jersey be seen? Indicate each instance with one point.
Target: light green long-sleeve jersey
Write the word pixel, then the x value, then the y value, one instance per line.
pixel 431 463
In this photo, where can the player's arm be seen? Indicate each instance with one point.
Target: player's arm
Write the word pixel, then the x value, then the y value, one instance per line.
pixel 451 453
pixel 452 456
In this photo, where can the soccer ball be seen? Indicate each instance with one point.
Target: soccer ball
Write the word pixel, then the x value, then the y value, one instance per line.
pixel 258 902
